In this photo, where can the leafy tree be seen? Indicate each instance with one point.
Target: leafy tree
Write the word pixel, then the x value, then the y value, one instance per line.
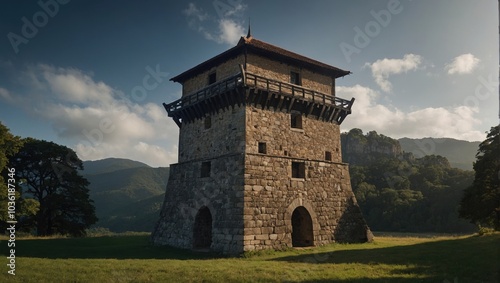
pixel 398 192
pixel 49 173
pixel 9 146
pixel 481 201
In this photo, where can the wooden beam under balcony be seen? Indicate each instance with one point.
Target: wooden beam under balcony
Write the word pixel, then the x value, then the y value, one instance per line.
pixel 251 89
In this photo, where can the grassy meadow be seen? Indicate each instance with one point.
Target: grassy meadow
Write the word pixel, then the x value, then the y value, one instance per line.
pixel 130 258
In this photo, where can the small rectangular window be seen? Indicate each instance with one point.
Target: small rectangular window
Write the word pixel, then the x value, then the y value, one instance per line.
pixel 208 122
pixel 295 78
pixel 328 156
pixel 298 170
pixel 296 120
pixel 206 167
pixel 262 148
pixel 212 78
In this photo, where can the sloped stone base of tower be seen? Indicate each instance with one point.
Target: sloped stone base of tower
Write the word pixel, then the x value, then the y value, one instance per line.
pixel 230 214
pixel 313 211
pixel 203 213
pixel 264 195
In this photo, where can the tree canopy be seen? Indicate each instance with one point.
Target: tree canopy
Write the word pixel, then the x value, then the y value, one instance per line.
pixel 49 173
pixel 481 201
pixel 398 192
pixel 25 208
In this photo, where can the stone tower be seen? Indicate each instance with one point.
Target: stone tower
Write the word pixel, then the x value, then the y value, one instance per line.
pixel 260 163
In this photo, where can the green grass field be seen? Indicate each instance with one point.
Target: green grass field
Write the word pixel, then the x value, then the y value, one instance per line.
pixel 132 259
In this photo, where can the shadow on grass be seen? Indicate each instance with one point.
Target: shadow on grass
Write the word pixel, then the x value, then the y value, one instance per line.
pixel 471 259
pixel 107 247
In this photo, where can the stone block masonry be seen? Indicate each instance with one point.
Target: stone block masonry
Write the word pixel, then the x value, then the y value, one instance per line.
pixel 252 196
pixel 272 193
pixel 260 163
pixel 188 192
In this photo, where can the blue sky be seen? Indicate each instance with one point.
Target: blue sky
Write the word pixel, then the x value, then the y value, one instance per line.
pixel 92 75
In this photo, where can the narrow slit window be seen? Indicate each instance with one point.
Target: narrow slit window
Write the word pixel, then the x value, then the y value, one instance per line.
pixel 212 78
pixel 295 78
pixel 328 155
pixel 206 167
pixel 208 122
pixel 296 120
pixel 298 170
pixel 262 148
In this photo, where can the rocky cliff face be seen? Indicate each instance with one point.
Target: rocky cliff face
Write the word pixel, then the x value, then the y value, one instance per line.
pixel 358 149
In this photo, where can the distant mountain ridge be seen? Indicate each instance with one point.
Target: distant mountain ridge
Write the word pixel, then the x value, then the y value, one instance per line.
pixel 110 165
pixel 128 194
pixel 460 153
pixel 125 192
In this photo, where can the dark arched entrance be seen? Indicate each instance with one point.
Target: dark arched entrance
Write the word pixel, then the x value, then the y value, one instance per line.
pixel 202 231
pixel 302 228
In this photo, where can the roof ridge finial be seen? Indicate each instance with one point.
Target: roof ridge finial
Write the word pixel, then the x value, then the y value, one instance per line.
pixel 249 34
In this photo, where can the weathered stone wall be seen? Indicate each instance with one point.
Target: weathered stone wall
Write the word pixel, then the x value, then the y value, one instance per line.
pixel 226 135
pixel 250 195
pixel 224 70
pixel 223 145
pixel 281 72
pixel 274 128
pixel 187 192
pixel 271 194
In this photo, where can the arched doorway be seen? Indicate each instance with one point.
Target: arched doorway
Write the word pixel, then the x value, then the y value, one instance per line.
pixel 302 228
pixel 202 231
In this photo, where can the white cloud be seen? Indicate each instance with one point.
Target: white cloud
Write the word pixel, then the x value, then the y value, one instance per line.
pixel 454 122
pixel 230 31
pixel 227 28
pixel 73 85
pixel 463 64
pixel 5 94
pixel 98 120
pixel 382 69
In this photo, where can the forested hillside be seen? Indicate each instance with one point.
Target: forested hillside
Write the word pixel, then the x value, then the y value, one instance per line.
pixel 127 194
pixel 398 192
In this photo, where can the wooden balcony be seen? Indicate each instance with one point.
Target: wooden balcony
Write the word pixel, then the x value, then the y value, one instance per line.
pixel 245 88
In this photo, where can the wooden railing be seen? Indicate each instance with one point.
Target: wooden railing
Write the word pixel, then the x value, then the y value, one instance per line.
pixel 248 79
pixel 212 90
pixel 260 82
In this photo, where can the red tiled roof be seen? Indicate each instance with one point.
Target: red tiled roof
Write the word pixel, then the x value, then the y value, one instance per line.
pixel 256 46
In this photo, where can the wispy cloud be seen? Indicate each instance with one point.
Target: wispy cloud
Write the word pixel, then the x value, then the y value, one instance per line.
pixel 227 27
pixel 5 95
pixel 384 68
pixel 463 64
pixel 193 11
pixel 98 120
pixel 457 122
